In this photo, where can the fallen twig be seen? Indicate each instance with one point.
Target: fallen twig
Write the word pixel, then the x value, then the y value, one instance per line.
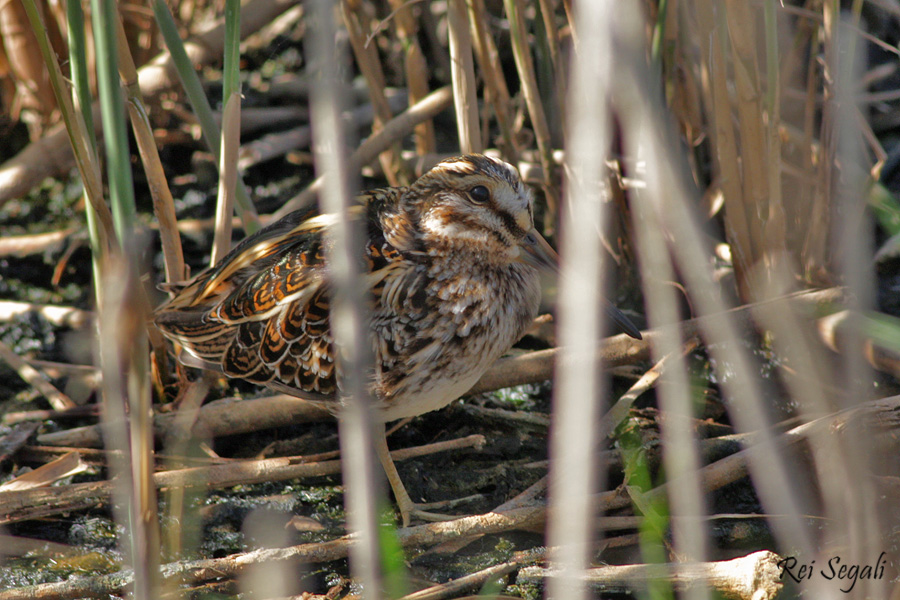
pixel 622 350
pixel 227 416
pixel 477 579
pixel 215 569
pixel 755 576
pixel 25 245
pixel 64 466
pixel 15 439
pixel 35 503
pixel 62 316
pixel 35 379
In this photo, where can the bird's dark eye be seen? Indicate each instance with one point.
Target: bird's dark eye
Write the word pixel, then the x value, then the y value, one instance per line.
pixel 479 194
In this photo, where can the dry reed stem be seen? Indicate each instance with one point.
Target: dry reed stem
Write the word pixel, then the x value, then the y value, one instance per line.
pixel 228 177
pixel 198 571
pixel 462 73
pixel 559 83
pixel 775 228
pixel 579 391
pixel 50 155
pixel 123 354
pixel 737 229
pixel 368 62
pixel 227 416
pixel 348 309
pixel 811 257
pixel 279 143
pixel 416 69
pixel 817 236
pixel 515 12
pixel 753 149
pixel 680 459
pixel 25 66
pixel 163 204
pixel 398 127
pixel 496 92
pixel 567 5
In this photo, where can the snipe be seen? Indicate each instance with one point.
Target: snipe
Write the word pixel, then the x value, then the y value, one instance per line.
pixel 451 267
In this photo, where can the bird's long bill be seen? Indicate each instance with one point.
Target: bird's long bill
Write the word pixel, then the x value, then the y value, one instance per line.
pixel 540 255
pixel 624 323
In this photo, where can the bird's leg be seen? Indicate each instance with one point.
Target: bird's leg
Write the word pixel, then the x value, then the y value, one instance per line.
pixel 404 502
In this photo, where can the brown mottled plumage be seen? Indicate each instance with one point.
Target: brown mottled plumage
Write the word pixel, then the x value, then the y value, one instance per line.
pixel 450 267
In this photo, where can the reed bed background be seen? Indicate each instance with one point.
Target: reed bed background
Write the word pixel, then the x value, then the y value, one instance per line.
pixel 726 168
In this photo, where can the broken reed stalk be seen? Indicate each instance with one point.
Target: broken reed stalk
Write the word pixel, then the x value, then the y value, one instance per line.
pixel 756 576
pixel 38 503
pixel 24 65
pixel 877 416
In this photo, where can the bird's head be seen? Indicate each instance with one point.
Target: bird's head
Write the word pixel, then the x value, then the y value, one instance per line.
pixel 480 203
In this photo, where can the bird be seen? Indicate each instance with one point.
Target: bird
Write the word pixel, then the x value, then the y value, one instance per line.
pixel 451 268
